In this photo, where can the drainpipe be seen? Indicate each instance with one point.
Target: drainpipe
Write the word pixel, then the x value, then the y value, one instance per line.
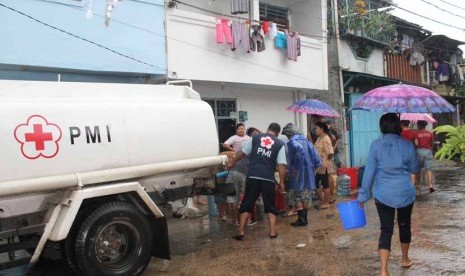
pixel 428 78
pixel 296 115
pixel 341 80
pixel 458 112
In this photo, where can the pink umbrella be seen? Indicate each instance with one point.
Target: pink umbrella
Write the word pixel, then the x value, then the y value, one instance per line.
pixel 415 117
pixel 403 98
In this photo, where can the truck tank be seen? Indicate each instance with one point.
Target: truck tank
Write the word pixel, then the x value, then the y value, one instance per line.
pixel 51 129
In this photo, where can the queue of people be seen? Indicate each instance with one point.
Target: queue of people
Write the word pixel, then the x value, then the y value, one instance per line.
pixel 307 164
pixel 304 166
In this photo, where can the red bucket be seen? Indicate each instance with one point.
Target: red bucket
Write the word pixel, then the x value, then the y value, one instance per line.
pixel 279 200
pixel 352 173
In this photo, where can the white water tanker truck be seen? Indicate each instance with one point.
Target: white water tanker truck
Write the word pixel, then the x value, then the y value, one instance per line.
pixel 85 167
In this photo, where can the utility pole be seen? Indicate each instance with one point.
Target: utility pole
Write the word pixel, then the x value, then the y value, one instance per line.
pixel 335 83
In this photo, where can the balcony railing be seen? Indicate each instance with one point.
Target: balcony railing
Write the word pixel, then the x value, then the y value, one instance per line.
pixel 367 23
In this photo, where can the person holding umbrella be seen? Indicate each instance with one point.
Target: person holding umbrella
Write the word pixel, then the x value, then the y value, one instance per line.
pixel 391 163
pixel 303 160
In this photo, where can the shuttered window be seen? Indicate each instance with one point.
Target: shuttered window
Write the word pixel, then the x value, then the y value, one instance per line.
pixel 278 15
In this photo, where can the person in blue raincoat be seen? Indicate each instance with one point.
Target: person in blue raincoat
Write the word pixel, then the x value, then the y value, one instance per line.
pixel 303 161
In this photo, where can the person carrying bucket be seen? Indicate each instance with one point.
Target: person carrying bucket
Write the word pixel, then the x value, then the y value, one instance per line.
pixel 392 163
pixel 303 161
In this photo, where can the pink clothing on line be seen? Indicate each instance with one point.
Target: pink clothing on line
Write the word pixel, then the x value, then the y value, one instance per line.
pixel 223 31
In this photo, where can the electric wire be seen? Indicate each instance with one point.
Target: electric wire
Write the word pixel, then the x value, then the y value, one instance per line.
pixel 444 10
pixel 453 5
pixel 424 17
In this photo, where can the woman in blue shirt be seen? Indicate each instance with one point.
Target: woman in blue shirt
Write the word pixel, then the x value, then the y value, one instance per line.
pixel 392 163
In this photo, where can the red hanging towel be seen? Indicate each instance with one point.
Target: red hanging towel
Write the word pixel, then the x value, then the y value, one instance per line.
pixel 266 27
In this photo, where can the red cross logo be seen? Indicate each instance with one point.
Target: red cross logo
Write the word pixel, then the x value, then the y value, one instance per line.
pixel 267 142
pixel 38 138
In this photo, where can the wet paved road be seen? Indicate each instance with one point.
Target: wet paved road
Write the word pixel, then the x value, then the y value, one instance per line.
pixel 204 247
pixel 438 247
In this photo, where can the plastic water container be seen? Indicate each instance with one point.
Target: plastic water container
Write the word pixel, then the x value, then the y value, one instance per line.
pixel 343 185
pixel 352 216
pixel 212 209
pixel 222 174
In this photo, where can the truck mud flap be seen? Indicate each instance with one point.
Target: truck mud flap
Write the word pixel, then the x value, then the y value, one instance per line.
pixel 160 241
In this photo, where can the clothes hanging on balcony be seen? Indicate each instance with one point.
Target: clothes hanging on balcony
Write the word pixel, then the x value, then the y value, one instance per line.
pixel 443 72
pixel 461 79
pixel 266 27
pixel 257 42
pixel 240 36
pixel 223 31
pixel 240 6
pixel 416 58
pixel 273 30
pixel 293 45
pixel 452 74
pixel 281 40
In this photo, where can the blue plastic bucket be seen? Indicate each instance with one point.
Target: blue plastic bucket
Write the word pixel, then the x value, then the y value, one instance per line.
pixel 352 216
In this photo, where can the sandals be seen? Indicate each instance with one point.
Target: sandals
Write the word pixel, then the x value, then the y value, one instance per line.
pixel 274 236
pixel 289 214
pixel 322 207
pixel 238 237
pixel 408 265
pixel 432 190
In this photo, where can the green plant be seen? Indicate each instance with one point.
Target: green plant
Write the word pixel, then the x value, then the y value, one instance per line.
pixel 455 142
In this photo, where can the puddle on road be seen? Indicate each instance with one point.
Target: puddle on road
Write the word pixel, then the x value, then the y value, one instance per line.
pixel 204 246
pixel 438 246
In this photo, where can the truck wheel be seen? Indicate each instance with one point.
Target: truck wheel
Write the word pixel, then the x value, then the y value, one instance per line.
pixel 114 239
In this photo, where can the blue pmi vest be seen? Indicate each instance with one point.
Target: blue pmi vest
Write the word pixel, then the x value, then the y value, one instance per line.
pixel 264 155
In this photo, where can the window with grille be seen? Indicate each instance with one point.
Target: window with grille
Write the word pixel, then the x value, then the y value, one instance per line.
pixel 276 14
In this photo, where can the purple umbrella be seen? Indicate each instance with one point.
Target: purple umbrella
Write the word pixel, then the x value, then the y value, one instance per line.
pixel 403 98
pixel 314 107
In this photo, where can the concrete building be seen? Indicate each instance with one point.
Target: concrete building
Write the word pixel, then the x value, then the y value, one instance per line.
pixel 369 48
pixel 254 88
pixel 56 40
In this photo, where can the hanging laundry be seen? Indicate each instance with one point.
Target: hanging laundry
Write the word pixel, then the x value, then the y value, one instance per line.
pixel 257 42
pixel 416 58
pixel 281 40
pixel 293 45
pixel 443 72
pixel 240 6
pixel 452 73
pixel 460 74
pixel 273 30
pixel 223 31
pixel 240 36
pixel 459 56
pixel 266 27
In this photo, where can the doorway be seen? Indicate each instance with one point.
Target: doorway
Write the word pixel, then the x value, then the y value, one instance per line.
pixel 225 123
